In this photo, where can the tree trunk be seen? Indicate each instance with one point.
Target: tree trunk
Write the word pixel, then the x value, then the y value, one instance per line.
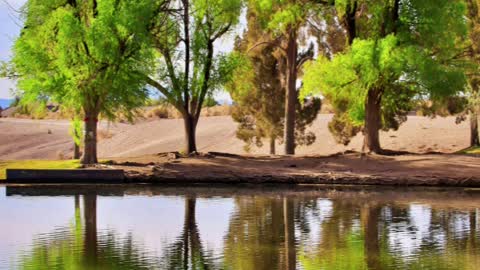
pixel 371 143
pixel 291 93
pixel 90 139
pixel 272 146
pixel 474 136
pixel 76 151
pixel 190 130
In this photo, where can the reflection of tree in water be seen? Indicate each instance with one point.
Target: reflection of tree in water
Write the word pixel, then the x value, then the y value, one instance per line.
pixel 444 246
pixel 344 245
pixel 81 247
pixel 261 234
pixel 341 245
pixel 187 251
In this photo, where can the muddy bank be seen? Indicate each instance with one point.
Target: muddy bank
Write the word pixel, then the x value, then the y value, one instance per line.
pixel 345 169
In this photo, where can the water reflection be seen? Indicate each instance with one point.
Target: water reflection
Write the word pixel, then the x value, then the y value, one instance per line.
pixel 80 246
pixel 187 251
pixel 302 228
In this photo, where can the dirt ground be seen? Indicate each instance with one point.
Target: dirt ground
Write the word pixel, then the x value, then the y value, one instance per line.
pixel 139 150
pixel 49 139
pixel 349 168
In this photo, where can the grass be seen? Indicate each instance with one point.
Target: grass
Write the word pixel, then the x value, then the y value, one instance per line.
pixel 471 151
pixel 37 164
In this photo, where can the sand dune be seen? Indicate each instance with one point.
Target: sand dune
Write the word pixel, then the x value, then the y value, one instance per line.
pixel 49 139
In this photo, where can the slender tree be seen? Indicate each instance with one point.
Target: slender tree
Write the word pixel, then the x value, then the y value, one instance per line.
pixel 400 51
pixel 86 55
pixel 285 19
pixel 473 75
pixel 259 92
pixel 190 70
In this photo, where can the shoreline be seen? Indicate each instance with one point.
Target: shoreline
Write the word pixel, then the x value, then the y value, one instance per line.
pixel 351 168
pixel 440 170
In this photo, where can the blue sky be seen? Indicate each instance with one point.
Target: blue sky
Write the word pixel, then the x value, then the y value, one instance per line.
pixel 10 28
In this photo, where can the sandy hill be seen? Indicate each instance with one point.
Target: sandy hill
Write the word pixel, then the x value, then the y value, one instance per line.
pixel 49 139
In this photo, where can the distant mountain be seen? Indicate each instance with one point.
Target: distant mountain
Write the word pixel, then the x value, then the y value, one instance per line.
pixel 5 103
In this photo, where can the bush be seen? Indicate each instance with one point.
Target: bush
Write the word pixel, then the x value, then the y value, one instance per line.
pixel 159 112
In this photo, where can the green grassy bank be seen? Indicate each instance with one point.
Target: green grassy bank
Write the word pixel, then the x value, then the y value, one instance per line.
pixel 36 164
pixel 471 151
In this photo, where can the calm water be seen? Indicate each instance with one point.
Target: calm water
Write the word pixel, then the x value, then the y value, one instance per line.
pixel 218 228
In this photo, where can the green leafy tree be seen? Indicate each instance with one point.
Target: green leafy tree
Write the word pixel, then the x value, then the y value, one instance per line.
pixel 400 51
pixel 87 55
pixel 259 93
pixel 190 70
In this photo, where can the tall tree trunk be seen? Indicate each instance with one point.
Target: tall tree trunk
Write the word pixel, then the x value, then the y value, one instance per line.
pixel 190 130
pixel 371 143
pixel 272 146
pixel 90 139
pixel 291 92
pixel 290 250
pixel 474 136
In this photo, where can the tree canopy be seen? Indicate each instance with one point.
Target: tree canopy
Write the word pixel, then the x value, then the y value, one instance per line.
pixel 402 50
pixel 190 70
pixel 259 92
pixel 87 55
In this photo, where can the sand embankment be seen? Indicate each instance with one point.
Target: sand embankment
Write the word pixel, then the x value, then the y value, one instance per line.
pixel 49 139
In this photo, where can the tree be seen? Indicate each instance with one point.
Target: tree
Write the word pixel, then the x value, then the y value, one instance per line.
pixel 259 92
pixel 87 55
pixel 190 71
pixel 474 76
pixel 285 19
pixel 400 51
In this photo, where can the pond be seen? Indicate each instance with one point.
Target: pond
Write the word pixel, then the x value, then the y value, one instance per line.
pixel 215 227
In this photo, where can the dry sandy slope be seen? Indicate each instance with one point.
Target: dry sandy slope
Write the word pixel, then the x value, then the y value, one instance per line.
pixel 30 139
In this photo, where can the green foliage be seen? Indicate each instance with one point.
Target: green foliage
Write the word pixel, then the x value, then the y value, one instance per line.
pixel 280 16
pixel 210 102
pixel 85 56
pixel 368 64
pixel 259 93
pixel 405 59
pixel 76 131
pixel 207 72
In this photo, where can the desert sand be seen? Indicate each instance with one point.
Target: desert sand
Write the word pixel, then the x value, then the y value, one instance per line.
pixel 49 139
